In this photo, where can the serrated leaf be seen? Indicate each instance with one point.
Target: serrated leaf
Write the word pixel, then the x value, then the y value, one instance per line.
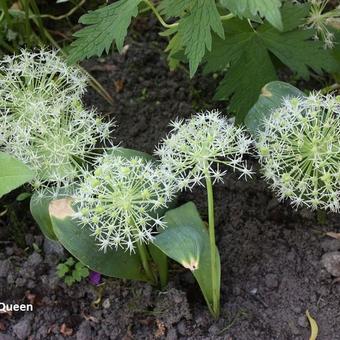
pixel 175 8
pixel 270 9
pixel 104 26
pixel 195 29
pixel 248 56
pixel 256 64
pixel 174 46
pixel 13 173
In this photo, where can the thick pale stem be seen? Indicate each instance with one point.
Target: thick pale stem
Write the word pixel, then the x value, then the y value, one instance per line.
pixel 144 256
pixel 214 273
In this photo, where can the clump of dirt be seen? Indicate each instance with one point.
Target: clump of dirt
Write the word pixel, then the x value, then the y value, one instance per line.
pixel 270 254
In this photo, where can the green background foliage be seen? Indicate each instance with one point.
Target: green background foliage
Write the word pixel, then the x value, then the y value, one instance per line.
pixel 247 41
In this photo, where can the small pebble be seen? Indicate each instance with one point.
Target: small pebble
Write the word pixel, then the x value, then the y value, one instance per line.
pixel 22 329
pixel 302 321
pixel 106 303
pixel 331 261
pixel 271 281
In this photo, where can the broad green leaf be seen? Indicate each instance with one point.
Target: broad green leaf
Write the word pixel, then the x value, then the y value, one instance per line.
pixel 39 211
pixel 248 57
pixel 105 25
pixel 39 204
pixel 77 240
pixel 270 9
pixel 186 240
pixel 195 28
pixel 270 98
pixel 13 173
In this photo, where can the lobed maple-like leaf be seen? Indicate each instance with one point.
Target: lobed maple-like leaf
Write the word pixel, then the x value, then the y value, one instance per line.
pixel 103 26
pixel 248 57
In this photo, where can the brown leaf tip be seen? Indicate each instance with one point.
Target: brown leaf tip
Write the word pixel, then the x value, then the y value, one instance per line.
pixel 265 92
pixel 192 264
pixel 61 208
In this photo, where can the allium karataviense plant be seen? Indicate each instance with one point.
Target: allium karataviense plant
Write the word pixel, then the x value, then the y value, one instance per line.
pixel 299 150
pixel 119 202
pixel 43 122
pixel 199 151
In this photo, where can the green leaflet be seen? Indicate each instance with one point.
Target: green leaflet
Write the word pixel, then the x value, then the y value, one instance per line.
pixel 175 8
pixel 270 9
pixel 13 173
pixel 104 25
pixel 195 28
pixel 248 56
pixel 39 211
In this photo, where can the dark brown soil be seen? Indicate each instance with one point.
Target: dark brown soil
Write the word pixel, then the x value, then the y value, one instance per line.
pixel 270 254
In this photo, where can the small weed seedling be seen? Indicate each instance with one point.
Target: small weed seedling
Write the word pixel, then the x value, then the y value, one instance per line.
pixel 71 271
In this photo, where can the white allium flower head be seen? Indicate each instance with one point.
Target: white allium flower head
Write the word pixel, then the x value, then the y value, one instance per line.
pixel 54 147
pixel 42 120
pixel 299 150
pixel 120 199
pixel 204 145
pixel 33 80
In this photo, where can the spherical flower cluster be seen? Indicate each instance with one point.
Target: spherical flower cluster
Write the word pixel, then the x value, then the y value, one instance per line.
pixel 43 122
pixel 120 199
pixel 202 146
pixel 299 149
pixel 54 147
pixel 34 82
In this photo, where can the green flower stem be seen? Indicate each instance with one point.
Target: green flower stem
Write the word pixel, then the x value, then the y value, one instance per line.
pixel 175 24
pixel 227 16
pixel 321 216
pixel 160 19
pixel 214 273
pixel 145 258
